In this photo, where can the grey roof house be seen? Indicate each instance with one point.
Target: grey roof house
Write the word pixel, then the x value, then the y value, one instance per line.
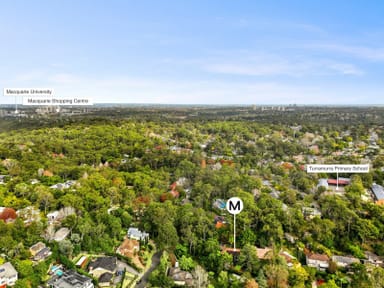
pixel 135 233
pixel 8 275
pixel 378 193
pixel 70 279
pixel 103 265
pixel 344 261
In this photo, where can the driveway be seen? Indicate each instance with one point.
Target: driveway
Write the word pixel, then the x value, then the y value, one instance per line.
pixel 155 262
pixel 120 267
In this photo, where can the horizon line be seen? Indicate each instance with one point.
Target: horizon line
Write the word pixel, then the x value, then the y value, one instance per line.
pixel 204 104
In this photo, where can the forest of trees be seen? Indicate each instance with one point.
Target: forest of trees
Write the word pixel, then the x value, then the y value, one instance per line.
pixel 130 164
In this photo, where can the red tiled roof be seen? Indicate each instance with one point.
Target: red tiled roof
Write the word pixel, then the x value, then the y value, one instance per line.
pixel 320 282
pixel 175 193
pixel 173 186
pixel 230 250
pixel 318 257
pixel 334 182
pixel 7 214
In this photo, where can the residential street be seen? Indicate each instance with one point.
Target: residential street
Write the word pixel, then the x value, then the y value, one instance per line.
pixel 155 262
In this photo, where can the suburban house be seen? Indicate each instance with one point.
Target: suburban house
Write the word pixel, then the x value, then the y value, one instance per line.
pixel 52 216
pixel 39 251
pixel 3 178
pixel 135 233
pixel 344 261
pixel 180 277
pixel 318 261
pixel 29 214
pixel 8 275
pixel 70 279
pixel 378 193
pixel 128 247
pixel 43 254
pixel 373 259
pixel 323 183
pixel 7 214
pixel 219 204
pixel 62 186
pixel 58 215
pixel 219 221
pixel 290 259
pixel 103 265
pixel 267 253
pixel 105 279
pixel 61 234
pixel 264 253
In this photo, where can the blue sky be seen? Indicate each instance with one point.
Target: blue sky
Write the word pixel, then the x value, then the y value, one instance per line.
pixel 196 52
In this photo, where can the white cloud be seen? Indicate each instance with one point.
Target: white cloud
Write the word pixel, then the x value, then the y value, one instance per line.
pixel 138 90
pixel 188 90
pixel 125 89
pixel 345 68
pixel 362 52
pixel 263 64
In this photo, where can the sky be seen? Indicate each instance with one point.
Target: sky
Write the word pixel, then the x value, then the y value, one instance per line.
pixel 196 51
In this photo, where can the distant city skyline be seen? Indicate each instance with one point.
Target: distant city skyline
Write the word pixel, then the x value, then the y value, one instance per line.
pixel 196 52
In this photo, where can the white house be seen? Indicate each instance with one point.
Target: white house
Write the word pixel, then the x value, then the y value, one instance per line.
pixel 61 234
pixel 2 179
pixel 62 186
pixel 344 261
pixel 323 183
pixel 29 214
pixel 373 259
pixel 59 215
pixel 8 275
pixel 318 261
pixel 135 233
pixel 52 216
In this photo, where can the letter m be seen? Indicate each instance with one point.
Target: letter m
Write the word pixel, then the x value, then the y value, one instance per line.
pixel 234 207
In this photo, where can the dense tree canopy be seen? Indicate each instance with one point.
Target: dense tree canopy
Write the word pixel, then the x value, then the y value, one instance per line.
pixel 164 177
